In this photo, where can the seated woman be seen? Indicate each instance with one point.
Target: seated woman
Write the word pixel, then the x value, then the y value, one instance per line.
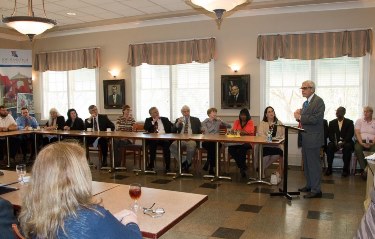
pixel 245 126
pixel 58 202
pixel 364 129
pixel 271 153
pixel 55 121
pixel 125 123
pixel 211 125
pixel 74 123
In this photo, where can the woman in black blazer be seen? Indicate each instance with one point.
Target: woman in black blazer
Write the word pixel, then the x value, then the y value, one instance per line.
pixel 73 122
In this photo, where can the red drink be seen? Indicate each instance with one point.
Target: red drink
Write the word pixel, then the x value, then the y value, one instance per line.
pixel 135 193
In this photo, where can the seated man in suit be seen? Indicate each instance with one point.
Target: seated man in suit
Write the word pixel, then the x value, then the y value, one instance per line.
pixel 99 122
pixel 186 125
pixel 160 125
pixel 340 133
pixel 26 121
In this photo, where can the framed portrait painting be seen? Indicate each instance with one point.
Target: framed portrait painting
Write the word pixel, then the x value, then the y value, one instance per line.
pixel 235 91
pixel 114 94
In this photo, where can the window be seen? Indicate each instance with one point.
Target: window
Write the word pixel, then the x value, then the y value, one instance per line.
pixel 170 87
pixel 69 89
pixel 339 81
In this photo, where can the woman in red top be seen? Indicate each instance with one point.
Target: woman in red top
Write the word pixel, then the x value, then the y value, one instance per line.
pixel 245 126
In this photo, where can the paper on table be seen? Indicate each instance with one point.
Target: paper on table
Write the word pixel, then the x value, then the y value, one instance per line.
pixel 370 157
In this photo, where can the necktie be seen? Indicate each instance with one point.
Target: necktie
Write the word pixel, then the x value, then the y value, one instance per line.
pixel 156 129
pixel 186 127
pixel 305 104
pixel 95 124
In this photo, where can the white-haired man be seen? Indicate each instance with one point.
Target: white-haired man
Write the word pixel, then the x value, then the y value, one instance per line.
pixel 186 125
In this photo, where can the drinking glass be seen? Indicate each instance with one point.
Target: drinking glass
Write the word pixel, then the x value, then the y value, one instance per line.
pixel 21 171
pixel 135 193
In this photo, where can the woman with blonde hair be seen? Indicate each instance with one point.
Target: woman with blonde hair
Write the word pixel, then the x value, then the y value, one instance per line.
pixel 58 202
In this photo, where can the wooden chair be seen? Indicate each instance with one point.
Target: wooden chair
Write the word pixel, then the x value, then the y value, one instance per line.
pixel 17 232
pixel 135 149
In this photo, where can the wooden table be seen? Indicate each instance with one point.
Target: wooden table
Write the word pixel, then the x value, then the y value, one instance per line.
pixel 254 140
pixel 15 197
pixel 177 205
pixel 8 178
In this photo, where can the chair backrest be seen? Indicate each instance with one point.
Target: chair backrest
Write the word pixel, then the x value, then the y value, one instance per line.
pixel 17 232
pixel 222 130
pixel 138 127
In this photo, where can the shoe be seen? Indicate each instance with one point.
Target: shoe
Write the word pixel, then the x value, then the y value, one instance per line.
pixel 313 195
pixel 167 170
pixel 304 189
pixel 344 174
pixel 328 172
pixel 150 168
pixel 243 172
pixel 205 167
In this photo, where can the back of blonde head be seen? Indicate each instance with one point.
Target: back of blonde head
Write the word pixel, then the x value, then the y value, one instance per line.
pixel 60 184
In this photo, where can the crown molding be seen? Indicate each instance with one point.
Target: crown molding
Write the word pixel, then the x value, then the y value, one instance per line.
pixel 202 17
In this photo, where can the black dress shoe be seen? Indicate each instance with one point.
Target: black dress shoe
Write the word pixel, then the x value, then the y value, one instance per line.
pixel 313 195
pixel 304 189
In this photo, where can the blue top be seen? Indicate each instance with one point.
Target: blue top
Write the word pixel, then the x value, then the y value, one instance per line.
pixel 90 224
pixel 23 121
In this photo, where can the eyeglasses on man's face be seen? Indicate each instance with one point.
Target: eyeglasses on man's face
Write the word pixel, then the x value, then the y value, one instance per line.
pixel 306 87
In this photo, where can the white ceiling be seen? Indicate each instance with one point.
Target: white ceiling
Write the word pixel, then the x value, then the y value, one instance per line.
pixel 91 13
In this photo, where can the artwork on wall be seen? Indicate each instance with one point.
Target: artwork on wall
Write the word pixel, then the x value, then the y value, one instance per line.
pixel 114 93
pixel 15 79
pixel 235 91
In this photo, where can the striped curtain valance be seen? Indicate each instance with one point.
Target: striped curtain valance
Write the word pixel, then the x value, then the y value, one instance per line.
pixel 67 60
pixel 312 46
pixel 172 53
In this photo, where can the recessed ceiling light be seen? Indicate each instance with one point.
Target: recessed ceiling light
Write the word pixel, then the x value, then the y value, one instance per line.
pixel 71 13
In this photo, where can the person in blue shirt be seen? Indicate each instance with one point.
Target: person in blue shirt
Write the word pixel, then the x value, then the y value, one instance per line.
pixel 26 122
pixel 58 201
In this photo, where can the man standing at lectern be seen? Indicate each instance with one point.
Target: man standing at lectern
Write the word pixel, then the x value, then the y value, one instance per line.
pixel 311 119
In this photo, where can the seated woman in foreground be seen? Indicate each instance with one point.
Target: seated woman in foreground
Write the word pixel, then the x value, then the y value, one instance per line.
pixel 269 124
pixel 58 202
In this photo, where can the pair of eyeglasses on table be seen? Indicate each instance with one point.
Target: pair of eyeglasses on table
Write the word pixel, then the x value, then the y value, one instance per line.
pixel 158 212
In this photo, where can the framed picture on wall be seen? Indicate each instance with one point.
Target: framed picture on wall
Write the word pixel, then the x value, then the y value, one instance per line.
pixel 114 94
pixel 235 91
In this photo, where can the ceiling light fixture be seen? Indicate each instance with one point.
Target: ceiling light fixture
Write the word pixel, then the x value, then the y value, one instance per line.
pixel 29 25
pixel 218 6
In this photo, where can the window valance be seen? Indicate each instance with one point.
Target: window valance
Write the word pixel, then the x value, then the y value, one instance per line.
pixel 67 60
pixel 172 53
pixel 312 46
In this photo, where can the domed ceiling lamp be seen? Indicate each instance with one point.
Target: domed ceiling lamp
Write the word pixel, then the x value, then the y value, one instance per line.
pixel 29 25
pixel 218 6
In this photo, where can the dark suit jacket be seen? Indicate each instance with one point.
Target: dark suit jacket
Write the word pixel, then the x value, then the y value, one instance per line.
pixel 195 125
pixel 118 100
pixel 77 125
pixel 103 121
pixel 60 121
pixel 7 218
pixel 312 123
pixel 240 100
pixel 346 133
pixel 149 127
